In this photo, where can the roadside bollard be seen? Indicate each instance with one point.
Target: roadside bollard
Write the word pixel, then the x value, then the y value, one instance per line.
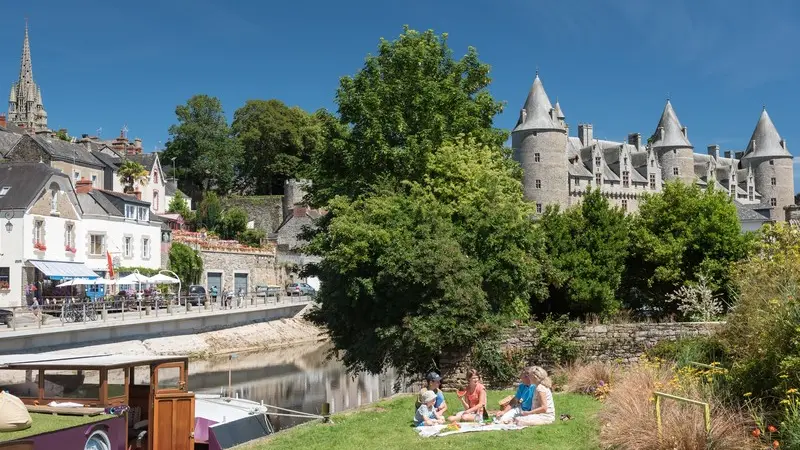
pixel 14 318
pixel 104 313
pixel 205 305
pixel 188 305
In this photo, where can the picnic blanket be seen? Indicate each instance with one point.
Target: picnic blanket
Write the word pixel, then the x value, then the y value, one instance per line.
pixel 466 427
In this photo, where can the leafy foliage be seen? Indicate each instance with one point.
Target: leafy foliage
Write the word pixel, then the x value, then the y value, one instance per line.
pixel 186 263
pixel 252 237
pixel 678 235
pixel 206 153
pixel 697 301
pixel 209 212
pixel 406 275
pixel 178 204
pixel 762 330
pixel 399 109
pixel 277 142
pixel 587 246
pixel 233 222
pixel 131 173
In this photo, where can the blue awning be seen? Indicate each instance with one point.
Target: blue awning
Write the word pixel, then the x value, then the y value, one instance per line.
pixel 56 270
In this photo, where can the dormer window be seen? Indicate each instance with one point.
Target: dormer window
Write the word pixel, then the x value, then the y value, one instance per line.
pixel 155 176
pixel 4 190
pixel 144 214
pixel 130 212
pixel 597 161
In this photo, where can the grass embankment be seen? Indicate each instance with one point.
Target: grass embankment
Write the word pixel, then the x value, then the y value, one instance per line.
pixel 46 423
pixel 387 425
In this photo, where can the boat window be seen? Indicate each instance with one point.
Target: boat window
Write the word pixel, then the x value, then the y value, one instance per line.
pixel 141 376
pixel 169 378
pixel 67 384
pixel 21 383
pixel 116 383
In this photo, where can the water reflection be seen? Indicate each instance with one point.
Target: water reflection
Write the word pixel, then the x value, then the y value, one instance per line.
pixel 299 378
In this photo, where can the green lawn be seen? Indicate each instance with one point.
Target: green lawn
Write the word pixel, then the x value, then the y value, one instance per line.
pixel 387 425
pixel 45 423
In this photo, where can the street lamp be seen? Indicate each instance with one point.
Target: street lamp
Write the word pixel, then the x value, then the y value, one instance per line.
pixel 9 225
pixel 173 169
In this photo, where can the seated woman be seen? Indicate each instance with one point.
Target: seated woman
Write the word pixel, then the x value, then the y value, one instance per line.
pixel 523 399
pixel 473 399
pixel 544 410
pixel 426 412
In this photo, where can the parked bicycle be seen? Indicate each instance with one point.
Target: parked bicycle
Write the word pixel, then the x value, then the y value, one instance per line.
pixel 78 312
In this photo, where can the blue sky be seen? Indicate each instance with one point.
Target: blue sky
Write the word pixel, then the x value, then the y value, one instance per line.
pixel 611 63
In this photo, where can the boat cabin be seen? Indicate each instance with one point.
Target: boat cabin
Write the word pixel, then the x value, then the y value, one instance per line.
pixel 160 408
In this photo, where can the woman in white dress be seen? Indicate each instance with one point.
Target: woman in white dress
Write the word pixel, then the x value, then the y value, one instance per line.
pixel 544 410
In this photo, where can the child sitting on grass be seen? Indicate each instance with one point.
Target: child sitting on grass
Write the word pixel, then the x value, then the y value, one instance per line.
pixel 426 414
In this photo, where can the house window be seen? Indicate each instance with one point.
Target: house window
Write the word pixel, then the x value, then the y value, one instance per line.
pixel 4 190
pixel 675 171
pixel 653 181
pixel 77 176
pixel 143 214
pixel 155 176
pixel 146 248
pixel 94 180
pixel 96 244
pixel 38 231
pixel 539 208
pixel 537 157
pixel 69 240
pixel 130 212
pixel 773 202
pixel 127 247
pixel 155 200
pixel 5 278
pixel 538 184
pixel 598 178
pixel 774 181
pixel 624 205
pixel 597 161
pixel 626 179
pixel 54 201
pixel 750 194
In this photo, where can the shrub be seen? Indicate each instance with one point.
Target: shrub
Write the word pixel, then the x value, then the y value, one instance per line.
pixel 629 418
pixel 594 378
pixel 703 349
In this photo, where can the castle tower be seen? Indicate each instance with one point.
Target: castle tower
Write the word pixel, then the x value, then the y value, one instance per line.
pixel 674 151
pixel 25 106
pixel 539 141
pixel 771 164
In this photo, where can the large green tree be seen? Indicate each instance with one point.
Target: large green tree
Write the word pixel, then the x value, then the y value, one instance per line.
pixel 398 110
pixel 277 142
pixel 679 234
pixel 436 264
pixel 205 152
pixel 587 246
pixel 186 263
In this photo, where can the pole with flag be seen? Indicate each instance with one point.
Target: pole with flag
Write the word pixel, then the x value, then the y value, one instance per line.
pixel 110 266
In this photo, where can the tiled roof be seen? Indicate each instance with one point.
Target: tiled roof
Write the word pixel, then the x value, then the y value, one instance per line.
pixel 7 141
pixel 750 213
pixel 537 110
pixel 673 131
pixel 67 151
pixel 767 140
pixel 26 181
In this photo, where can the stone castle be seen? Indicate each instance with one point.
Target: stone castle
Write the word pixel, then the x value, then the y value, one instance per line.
pixel 25 108
pixel 559 169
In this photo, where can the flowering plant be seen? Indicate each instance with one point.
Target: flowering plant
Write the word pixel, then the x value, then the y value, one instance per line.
pixel 40 246
pixel 71 249
pixel 4 285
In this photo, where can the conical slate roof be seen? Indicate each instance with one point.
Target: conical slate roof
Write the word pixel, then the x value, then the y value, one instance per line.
pixel 537 110
pixel 767 140
pixel 559 112
pixel 673 133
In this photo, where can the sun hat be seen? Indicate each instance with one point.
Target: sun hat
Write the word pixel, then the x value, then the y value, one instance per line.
pixel 428 396
pixel 433 376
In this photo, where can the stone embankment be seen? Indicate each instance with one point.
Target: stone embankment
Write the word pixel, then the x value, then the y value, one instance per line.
pixel 257 336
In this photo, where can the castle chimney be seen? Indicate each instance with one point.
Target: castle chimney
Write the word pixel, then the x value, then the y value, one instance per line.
pixel 635 139
pixel 83 186
pixel 739 155
pixel 713 150
pixel 585 134
pixel 137 143
pixel 2 120
pixel 727 154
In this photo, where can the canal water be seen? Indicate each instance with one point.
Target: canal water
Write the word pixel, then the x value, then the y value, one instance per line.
pixel 301 378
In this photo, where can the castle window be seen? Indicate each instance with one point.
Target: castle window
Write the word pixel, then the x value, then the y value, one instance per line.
pixel 94 180
pixel 597 161
pixel 155 176
pixel 577 181
pixel 675 171
pixel 774 181
pixel 537 157
pixel 624 205
pixel 773 202
pixel 539 208
pixel 598 179
pixel 626 179
pixel 750 193
pixel 653 181
pixel 538 184
pixel 625 160
pixel 652 163
pixel 771 162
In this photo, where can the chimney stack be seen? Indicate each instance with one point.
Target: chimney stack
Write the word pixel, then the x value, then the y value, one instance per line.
pixel 635 139
pixel 585 134
pixel 727 154
pixel 137 143
pixel 713 150
pixel 3 120
pixel 83 186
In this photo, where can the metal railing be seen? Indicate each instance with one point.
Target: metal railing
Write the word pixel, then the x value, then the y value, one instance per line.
pixel 660 395
pixel 63 311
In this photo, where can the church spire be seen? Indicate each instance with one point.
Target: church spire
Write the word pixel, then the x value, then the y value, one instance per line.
pixel 25 108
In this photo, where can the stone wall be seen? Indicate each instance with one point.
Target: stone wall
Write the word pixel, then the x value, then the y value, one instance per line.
pixel 259 267
pixel 615 343
pixel 266 211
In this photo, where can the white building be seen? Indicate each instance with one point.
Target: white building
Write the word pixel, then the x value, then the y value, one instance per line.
pixel 53 232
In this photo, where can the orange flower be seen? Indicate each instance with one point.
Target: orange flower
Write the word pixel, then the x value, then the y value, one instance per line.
pixel 756 433
pixel 776 444
pixel 772 429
